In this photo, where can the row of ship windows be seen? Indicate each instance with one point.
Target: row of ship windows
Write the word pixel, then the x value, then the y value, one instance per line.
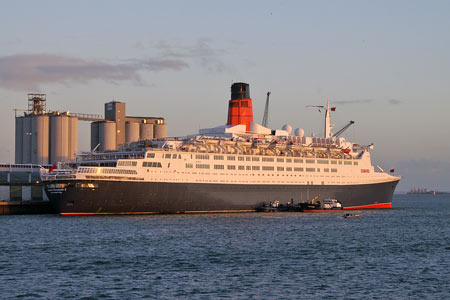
pixel 87 170
pixel 264 159
pixel 257 168
pixel 118 171
pixel 173 156
pixel 271 159
pixel 127 163
pixel 106 171
pixel 246 158
pixel 165 155
pixel 150 164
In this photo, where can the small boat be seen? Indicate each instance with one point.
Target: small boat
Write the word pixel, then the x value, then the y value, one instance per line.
pixel 348 216
pixel 331 204
pixel 276 206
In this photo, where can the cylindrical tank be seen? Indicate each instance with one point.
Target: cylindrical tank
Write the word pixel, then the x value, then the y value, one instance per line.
pixel 107 135
pixel 73 137
pixel 19 140
pixel 146 131
pixel 39 139
pixel 59 138
pixel 160 131
pixel 131 132
pixel 26 146
pixel 94 134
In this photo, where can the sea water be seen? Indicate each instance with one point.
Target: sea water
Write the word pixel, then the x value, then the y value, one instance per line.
pixel 399 253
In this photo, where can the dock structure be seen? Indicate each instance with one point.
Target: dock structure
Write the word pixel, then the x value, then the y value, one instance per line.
pixel 21 190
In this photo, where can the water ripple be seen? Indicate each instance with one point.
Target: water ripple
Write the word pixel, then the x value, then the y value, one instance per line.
pixel 397 254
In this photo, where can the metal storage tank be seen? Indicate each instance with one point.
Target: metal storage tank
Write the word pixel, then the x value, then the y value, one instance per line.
pixel 146 131
pixel 26 146
pixel 131 132
pixel 73 137
pixel 39 139
pixel 19 140
pixel 59 138
pixel 94 134
pixel 160 131
pixel 107 135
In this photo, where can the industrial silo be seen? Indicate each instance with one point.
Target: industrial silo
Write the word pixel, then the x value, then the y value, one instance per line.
pixel 73 137
pixel 26 145
pixel 160 131
pixel 59 138
pixel 19 140
pixel 131 132
pixel 94 134
pixel 107 135
pixel 39 139
pixel 146 131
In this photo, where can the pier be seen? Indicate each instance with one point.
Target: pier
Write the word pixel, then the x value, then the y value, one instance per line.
pixel 21 191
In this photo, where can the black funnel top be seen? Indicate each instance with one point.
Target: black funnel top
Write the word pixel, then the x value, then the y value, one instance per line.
pixel 240 90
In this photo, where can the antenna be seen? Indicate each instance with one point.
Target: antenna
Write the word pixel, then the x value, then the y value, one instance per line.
pixel 328 126
pixel 265 119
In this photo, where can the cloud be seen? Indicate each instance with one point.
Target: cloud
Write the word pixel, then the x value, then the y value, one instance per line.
pixel 362 101
pixel 202 52
pixel 366 101
pixel 29 71
pixel 394 101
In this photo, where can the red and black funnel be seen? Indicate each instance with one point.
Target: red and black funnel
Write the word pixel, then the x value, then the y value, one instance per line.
pixel 240 108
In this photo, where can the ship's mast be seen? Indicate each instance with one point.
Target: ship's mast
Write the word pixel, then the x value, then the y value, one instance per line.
pixel 328 126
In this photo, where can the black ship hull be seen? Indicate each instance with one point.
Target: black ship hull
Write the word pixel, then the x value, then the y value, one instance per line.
pixel 121 197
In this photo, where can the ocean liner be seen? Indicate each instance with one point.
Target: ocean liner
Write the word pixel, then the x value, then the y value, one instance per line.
pixel 237 167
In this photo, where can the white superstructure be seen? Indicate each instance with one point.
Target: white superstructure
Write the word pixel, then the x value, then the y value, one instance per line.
pixel 226 168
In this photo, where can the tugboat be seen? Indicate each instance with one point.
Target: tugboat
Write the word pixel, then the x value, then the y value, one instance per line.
pixel 312 206
pixel 332 204
pixel 276 206
pixel 327 204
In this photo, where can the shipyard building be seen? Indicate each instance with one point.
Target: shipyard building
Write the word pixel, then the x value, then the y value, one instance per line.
pixel 118 128
pixel 45 137
pixel 48 137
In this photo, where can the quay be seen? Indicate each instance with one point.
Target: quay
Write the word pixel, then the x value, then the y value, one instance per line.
pixel 21 191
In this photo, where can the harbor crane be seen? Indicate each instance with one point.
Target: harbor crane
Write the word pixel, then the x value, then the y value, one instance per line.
pixel 265 119
pixel 341 131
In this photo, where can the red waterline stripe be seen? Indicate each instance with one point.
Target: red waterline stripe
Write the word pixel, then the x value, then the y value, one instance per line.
pixel 378 205
pixel 121 213
pixel 153 213
pixel 322 210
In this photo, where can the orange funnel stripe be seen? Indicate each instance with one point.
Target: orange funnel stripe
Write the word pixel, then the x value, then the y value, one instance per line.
pixel 240 111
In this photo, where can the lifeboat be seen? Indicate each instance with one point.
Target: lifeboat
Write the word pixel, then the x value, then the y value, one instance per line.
pixel 211 141
pixel 346 151
pixel 320 150
pixel 227 142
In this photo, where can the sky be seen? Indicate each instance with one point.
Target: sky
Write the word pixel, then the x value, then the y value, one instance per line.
pixel 383 64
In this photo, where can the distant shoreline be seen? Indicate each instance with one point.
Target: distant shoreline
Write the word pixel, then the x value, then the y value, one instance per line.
pixel 428 193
